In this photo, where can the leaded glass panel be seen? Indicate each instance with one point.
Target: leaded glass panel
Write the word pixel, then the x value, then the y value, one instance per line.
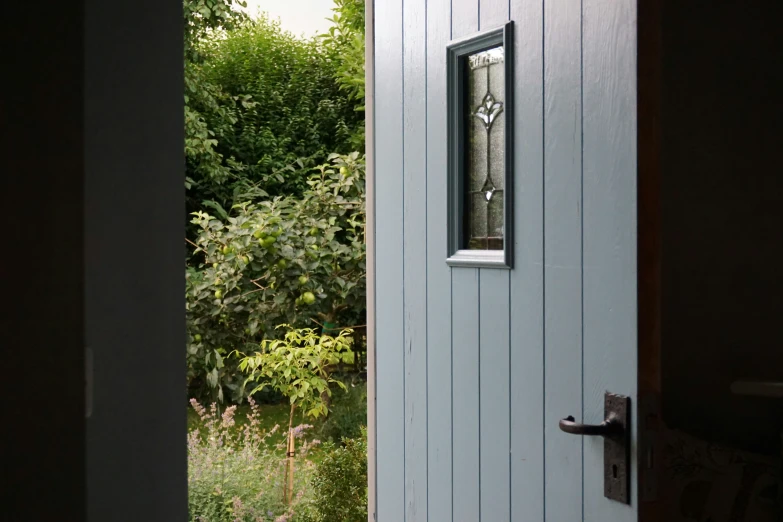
pixel 485 148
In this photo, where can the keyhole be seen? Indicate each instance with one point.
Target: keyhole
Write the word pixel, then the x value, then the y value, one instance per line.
pixel 614 470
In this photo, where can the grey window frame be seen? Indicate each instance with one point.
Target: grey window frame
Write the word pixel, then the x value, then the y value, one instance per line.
pixel 457 51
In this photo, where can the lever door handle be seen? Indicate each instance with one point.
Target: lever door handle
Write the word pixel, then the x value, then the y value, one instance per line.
pixel 611 427
pixel 616 432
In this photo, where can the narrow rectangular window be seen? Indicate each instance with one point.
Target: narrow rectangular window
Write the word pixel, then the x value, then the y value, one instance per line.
pixel 484 168
pixel 480 109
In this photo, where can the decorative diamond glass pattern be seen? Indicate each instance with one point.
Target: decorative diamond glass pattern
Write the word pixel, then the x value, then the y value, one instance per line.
pixel 485 140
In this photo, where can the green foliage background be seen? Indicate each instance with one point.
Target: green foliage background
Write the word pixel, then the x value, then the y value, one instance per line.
pixel 261 107
pixel 275 195
pixel 274 130
pixel 255 269
pixel 347 413
pixel 345 43
pixel 340 483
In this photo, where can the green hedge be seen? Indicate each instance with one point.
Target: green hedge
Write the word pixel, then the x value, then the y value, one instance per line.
pixel 263 101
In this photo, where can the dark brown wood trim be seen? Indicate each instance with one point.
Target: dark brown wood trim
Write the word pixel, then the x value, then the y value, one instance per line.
pixel 649 254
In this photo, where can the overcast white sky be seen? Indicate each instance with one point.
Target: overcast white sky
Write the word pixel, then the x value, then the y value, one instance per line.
pixel 306 17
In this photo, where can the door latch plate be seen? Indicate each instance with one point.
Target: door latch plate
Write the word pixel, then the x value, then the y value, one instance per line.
pixel 617 483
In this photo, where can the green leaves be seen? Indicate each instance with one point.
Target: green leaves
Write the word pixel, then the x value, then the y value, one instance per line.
pixel 204 16
pixel 243 287
pixel 345 41
pixel 217 207
pixel 298 366
pixel 275 238
pixel 340 482
pixel 262 106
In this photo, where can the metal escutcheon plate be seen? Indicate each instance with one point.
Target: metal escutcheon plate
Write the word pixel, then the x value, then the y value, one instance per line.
pixel 617 450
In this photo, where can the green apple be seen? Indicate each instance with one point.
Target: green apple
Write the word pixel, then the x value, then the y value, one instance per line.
pixel 308 298
pixel 218 294
pixel 197 338
pixel 303 279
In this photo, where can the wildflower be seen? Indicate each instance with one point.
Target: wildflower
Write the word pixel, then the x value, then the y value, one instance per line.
pixel 298 431
pixel 242 466
pixel 228 416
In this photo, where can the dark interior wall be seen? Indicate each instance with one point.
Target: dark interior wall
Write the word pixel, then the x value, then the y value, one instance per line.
pixel 134 245
pixel 722 202
pixel 92 188
pixel 41 324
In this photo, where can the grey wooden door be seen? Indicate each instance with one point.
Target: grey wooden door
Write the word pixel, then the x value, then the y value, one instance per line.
pixel 476 366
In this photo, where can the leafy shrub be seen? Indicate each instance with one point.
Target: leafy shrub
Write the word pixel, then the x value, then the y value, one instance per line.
pixel 233 475
pixel 202 19
pixel 285 260
pixel 298 366
pixel 345 42
pixel 264 100
pixel 340 483
pixel 347 413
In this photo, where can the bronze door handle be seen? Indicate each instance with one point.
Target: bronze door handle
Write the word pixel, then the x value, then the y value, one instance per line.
pixel 616 431
pixel 610 427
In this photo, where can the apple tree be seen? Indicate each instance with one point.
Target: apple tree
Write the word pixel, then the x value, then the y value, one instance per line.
pixel 286 260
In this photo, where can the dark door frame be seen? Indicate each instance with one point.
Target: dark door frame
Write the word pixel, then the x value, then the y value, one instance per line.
pixel 649 56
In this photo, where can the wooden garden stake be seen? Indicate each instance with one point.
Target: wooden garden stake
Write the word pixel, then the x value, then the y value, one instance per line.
pixel 290 452
pixel 290 467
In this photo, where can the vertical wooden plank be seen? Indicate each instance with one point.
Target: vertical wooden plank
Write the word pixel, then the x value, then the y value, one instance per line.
pixel 415 257
pixel 563 255
pixel 610 221
pixel 439 482
pixel 526 280
pixel 390 391
pixel 465 346
pixel 464 18
pixel 369 57
pixel 494 378
pixel 493 13
pixel 494 390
